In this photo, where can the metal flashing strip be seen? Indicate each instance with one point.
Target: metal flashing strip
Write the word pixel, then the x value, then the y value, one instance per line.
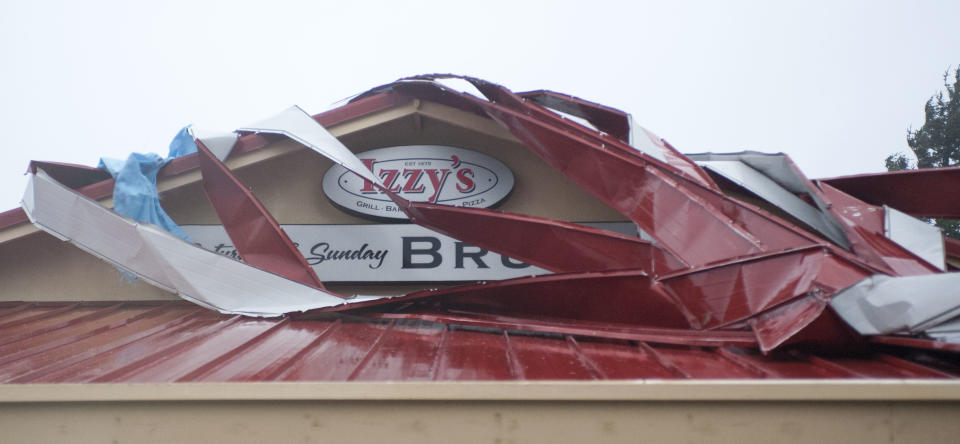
pixel 163 260
pixel 920 238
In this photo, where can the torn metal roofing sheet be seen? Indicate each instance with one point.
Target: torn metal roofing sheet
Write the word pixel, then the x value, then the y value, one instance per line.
pixel 885 304
pixel 864 229
pixel 162 259
pixel 254 232
pixel 549 244
pixel 609 120
pixel 177 342
pixel 932 192
pixel 772 179
pixel 296 124
pixel 717 265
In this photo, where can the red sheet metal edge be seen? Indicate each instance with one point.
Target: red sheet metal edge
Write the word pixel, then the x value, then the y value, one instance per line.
pixel 924 343
pixel 556 246
pixel 933 192
pixel 696 338
pixel 70 175
pixel 254 232
pixel 625 297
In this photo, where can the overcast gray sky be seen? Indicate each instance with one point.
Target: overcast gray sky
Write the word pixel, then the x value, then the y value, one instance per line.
pixel 834 84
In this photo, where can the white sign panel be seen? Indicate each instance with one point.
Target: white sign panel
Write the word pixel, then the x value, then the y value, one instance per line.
pixel 388 253
pixel 421 173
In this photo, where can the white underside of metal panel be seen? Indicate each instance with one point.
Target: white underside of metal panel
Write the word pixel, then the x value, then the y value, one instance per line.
pixel 776 166
pixel 884 304
pixel 219 143
pixel 763 186
pixel 642 140
pixel 572 117
pixel 920 238
pixel 164 260
pixel 296 124
pixel 461 86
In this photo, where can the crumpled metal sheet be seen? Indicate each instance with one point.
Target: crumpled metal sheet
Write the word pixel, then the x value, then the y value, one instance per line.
pixel 736 267
pixel 697 225
pixel 557 246
pixel 772 179
pixel 864 225
pixel 772 290
pixel 255 233
pixel 642 143
pixel 725 294
pixel 163 260
pixel 568 150
pixel 885 304
pixel 781 324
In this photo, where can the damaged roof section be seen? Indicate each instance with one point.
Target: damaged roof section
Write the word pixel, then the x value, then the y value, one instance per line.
pixel 833 272
pixel 775 179
pixel 162 259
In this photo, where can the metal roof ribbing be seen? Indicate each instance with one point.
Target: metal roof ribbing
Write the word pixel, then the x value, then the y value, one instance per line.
pixel 172 341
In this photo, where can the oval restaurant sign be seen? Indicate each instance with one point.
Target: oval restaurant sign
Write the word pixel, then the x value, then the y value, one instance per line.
pixel 422 173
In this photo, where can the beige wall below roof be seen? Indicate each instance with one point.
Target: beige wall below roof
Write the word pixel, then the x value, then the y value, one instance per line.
pixel 40 267
pixel 522 412
pixel 725 411
pixel 287 177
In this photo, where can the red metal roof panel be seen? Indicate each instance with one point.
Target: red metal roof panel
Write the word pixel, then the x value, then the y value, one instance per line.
pixel 175 341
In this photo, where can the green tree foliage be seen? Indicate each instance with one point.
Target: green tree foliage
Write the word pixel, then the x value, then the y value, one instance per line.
pixel 937 143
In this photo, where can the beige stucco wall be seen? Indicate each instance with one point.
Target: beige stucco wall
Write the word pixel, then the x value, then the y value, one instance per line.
pixel 487 422
pixel 539 412
pixel 287 178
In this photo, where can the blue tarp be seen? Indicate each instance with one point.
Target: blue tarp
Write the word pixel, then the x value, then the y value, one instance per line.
pixel 135 192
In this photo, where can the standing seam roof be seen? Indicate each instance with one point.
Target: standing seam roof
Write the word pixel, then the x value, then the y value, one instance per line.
pixel 173 341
